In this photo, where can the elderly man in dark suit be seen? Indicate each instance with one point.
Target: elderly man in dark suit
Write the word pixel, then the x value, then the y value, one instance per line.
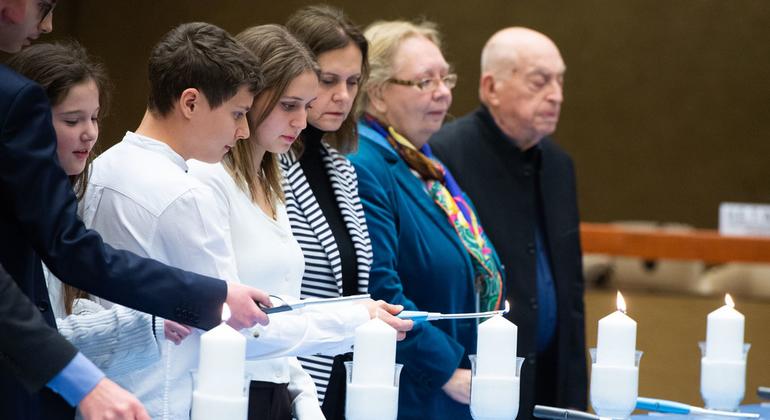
pixel 523 186
pixel 38 220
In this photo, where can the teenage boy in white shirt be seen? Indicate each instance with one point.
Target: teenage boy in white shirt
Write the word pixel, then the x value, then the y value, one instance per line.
pixel 140 197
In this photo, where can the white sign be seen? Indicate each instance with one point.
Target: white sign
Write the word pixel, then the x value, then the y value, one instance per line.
pixel 741 219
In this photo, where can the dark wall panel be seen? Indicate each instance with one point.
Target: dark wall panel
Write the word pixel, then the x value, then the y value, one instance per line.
pixel 667 108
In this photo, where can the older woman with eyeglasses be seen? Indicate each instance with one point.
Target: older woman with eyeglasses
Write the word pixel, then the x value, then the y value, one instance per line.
pixel 430 252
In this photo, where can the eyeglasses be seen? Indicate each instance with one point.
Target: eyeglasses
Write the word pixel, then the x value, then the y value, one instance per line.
pixel 428 84
pixel 46 7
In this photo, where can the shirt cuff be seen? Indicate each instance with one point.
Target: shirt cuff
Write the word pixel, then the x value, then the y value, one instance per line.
pixel 76 380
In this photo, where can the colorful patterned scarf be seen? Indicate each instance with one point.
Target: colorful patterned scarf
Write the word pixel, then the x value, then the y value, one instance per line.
pixel 449 197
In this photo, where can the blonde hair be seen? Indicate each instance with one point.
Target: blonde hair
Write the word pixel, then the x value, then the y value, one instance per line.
pixel 384 39
pixel 281 59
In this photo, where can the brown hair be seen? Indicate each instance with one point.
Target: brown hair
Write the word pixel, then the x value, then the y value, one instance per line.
pixel 202 56
pixel 325 28
pixel 57 68
pixel 282 58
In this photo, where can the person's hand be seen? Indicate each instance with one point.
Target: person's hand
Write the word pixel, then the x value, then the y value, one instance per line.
pixel 458 387
pixel 385 311
pixel 175 332
pixel 108 401
pixel 244 312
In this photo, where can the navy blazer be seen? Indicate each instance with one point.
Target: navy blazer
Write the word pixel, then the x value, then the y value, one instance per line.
pixel 419 262
pixel 28 345
pixel 38 219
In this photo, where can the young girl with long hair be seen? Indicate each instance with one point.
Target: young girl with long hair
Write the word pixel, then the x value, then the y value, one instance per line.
pixel 118 339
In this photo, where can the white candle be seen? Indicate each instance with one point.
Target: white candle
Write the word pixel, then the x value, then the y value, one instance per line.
pixel 374 354
pixel 724 333
pixel 221 367
pixel 496 348
pixel 616 344
pixel 222 362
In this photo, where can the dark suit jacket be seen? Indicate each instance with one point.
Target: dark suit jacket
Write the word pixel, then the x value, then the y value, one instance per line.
pixel 500 179
pixel 38 220
pixel 30 349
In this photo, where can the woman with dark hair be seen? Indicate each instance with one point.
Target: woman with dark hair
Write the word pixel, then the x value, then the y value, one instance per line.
pixel 321 186
pixel 118 339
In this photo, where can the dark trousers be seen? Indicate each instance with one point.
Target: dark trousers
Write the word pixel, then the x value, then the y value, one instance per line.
pixel 546 382
pixel 334 399
pixel 269 401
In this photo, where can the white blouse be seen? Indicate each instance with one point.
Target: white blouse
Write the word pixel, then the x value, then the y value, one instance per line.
pixel 268 257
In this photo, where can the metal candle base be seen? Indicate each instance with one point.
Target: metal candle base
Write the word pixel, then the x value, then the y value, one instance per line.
pixel 614 389
pixel 208 405
pixel 217 407
pixel 493 397
pixel 723 382
pixel 371 401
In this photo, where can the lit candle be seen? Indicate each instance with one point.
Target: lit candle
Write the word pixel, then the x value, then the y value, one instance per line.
pixel 724 333
pixel 374 353
pixel 219 391
pixel 616 344
pixel 496 348
pixel 495 385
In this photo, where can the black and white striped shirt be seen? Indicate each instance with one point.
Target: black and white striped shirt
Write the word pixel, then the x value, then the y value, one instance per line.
pixel 323 267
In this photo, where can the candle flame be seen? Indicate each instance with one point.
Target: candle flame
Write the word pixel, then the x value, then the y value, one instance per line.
pixel 507 307
pixel 621 303
pixel 729 300
pixel 225 313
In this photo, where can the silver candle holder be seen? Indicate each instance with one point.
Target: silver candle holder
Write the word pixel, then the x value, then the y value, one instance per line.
pixel 495 397
pixel 614 389
pixel 206 405
pixel 722 382
pixel 371 401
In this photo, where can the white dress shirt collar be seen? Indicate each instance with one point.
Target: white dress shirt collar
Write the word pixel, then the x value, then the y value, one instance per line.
pixel 156 146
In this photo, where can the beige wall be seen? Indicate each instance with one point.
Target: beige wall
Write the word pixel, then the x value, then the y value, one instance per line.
pixel 667 102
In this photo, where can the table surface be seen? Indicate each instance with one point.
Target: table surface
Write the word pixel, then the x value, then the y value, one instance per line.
pixel 762 409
